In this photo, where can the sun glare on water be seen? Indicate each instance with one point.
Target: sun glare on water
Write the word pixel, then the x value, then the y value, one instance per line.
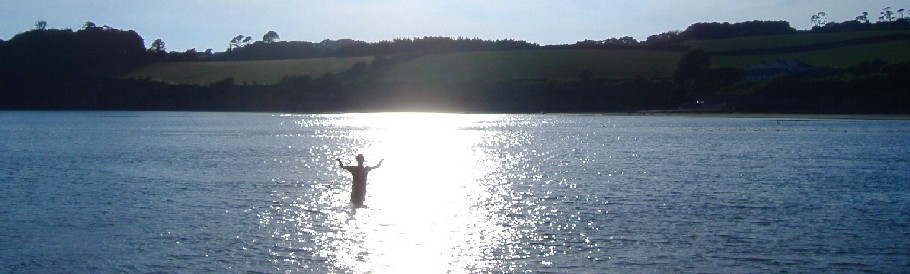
pixel 428 205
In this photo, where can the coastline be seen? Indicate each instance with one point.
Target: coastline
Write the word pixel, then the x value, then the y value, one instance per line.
pixel 781 116
pixel 785 116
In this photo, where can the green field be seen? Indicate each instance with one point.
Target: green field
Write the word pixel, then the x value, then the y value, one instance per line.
pixel 250 72
pixel 892 52
pixel 556 64
pixel 845 56
pixel 789 40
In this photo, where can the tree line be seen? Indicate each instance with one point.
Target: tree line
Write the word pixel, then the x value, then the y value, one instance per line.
pixel 59 51
pixel 244 48
pixel 274 50
pixel 887 21
pixel 886 15
pixel 670 40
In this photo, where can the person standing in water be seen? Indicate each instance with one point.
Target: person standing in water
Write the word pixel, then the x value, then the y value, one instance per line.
pixel 359 172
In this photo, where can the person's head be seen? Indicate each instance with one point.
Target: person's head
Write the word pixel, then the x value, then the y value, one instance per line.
pixel 360 159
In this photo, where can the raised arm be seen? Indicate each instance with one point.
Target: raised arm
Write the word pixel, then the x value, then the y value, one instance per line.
pixel 379 164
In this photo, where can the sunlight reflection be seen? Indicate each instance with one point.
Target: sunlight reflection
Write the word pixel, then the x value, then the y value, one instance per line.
pixel 426 205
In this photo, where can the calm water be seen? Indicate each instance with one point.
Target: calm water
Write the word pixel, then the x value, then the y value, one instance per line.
pixel 236 192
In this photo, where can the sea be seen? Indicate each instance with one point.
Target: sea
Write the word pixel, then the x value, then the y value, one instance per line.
pixel 205 192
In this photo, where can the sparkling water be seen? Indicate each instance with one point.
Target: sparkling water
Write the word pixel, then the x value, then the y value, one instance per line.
pixel 252 192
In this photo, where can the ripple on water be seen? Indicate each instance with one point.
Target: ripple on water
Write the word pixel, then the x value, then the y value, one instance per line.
pixel 260 193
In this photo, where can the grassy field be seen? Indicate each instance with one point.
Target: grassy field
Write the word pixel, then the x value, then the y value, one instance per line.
pixel 251 72
pixel 780 41
pixel 557 64
pixel 894 51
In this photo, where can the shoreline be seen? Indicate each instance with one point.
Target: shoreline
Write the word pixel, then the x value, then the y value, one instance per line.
pixel 781 116
pixel 787 116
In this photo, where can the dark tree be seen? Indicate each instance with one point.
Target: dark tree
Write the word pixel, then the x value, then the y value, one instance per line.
pixel 347 47
pixel 238 41
pixel 664 38
pixel 270 37
pixel 625 40
pixel 109 48
pixel 727 30
pixel 692 64
pixel 88 25
pixel 158 47
pixel 863 18
pixel 886 15
pixel 820 19
pixel 41 25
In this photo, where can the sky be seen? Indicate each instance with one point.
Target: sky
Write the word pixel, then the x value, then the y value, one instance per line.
pixel 185 24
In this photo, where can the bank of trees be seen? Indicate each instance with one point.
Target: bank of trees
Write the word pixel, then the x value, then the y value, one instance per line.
pixel 674 40
pixel 270 48
pixel 242 47
pixel 62 51
pixel 889 19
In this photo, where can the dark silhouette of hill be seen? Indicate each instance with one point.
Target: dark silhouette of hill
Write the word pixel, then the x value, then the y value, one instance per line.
pixel 92 50
pixel 66 69
pixel 730 30
pixel 262 50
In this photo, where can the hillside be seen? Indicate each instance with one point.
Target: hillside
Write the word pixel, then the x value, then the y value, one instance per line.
pixel 250 72
pixel 554 64
pixel 819 49
pixel 787 40
pixel 893 52
pixel 671 71
pixel 558 64
pixel 841 49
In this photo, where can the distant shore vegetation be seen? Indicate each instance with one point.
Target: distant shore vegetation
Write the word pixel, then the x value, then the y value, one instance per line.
pixel 855 66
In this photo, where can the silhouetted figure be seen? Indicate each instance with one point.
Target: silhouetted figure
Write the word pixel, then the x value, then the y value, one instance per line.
pixel 359 172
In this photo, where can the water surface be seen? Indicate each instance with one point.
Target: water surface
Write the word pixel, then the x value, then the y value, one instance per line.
pixel 237 192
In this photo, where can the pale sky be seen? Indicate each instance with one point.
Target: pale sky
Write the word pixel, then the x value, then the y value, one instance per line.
pixel 184 24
